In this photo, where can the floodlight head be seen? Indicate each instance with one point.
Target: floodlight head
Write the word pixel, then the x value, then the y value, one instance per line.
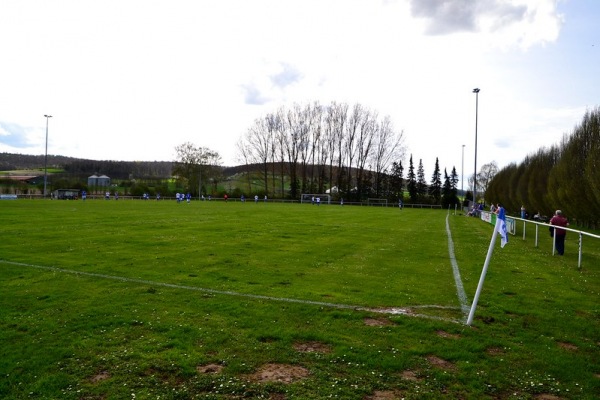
pixel 476 90
pixel 47 116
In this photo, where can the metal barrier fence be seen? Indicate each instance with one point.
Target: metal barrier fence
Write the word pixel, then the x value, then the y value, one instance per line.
pixel 511 223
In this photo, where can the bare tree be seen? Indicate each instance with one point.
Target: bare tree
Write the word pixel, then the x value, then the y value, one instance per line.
pixel 388 148
pixel 281 139
pixel 245 156
pixel 364 143
pixel 352 128
pixel 485 176
pixel 259 140
pixel 337 125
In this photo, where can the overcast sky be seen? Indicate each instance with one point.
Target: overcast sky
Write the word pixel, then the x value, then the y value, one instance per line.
pixel 130 80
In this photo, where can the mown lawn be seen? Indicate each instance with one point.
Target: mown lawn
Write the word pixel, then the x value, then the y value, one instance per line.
pixel 133 299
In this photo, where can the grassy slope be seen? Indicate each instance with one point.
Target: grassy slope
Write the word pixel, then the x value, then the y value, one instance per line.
pixel 537 327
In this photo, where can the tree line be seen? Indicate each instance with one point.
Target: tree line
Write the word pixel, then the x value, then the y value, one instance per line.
pixel 347 149
pixel 564 176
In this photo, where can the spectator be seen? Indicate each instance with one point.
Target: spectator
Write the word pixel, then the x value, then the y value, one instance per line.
pixel 559 234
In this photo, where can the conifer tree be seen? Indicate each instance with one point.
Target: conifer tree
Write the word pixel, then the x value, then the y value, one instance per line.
pixel 412 182
pixel 435 188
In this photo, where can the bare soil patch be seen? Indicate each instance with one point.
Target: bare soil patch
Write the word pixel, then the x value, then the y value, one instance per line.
pixel 378 322
pixel 409 375
pixel 546 396
pixel 209 368
pixel 99 377
pixel 448 335
pixel 441 363
pixel 494 351
pixel 384 395
pixel 312 347
pixel 283 373
pixel 568 346
pixel 277 396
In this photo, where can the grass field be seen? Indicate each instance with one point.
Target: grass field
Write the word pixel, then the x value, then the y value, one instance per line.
pixel 136 300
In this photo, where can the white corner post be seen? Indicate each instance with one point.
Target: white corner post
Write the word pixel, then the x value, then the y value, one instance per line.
pixel 483 273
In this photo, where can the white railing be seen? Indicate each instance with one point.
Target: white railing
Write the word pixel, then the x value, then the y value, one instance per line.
pixel 511 223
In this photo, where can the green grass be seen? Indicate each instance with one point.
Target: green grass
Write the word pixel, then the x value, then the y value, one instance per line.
pixel 165 288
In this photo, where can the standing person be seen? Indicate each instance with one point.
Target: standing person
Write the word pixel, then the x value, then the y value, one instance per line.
pixel 523 212
pixel 83 195
pixel 559 234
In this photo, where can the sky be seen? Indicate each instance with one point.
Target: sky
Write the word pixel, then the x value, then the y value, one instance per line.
pixel 131 80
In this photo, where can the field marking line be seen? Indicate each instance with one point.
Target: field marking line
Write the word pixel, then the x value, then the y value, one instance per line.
pixel 460 290
pixel 390 310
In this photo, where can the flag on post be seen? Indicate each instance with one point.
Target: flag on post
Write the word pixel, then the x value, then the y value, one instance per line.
pixel 501 227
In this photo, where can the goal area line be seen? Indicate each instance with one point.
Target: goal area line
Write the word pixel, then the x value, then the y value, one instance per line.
pixel 406 311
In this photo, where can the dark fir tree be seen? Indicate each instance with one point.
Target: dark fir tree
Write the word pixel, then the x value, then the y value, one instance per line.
pixel 397 180
pixel 435 188
pixel 421 182
pixel 446 190
pixel 454 185
pixel 412 182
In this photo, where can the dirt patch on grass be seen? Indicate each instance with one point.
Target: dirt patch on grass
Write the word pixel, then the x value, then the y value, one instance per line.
pixel 209 368
pixel 494 351
pixel 99 377
pixel 384 395
pixel 277 396
pixel 409 375
pixel 448 335
pixel 283 373
pixel 377 322
pixel 568 346
pixel 312 347
pixel 546 396
pixel 441 363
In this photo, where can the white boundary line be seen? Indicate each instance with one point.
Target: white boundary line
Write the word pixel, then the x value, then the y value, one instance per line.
pixel 392 310
pixel 460 290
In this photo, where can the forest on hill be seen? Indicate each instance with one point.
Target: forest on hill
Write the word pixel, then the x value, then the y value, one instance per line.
pixel 84 167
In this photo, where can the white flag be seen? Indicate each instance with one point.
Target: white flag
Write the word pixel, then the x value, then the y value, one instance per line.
pixel 501 227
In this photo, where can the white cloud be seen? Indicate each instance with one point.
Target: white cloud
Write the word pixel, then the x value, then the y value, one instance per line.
pixel 132 80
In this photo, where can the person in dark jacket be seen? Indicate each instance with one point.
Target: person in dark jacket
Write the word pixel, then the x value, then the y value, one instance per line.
pixel 559 220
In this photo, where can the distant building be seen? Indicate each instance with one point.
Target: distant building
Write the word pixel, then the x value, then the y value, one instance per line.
pixel 96 181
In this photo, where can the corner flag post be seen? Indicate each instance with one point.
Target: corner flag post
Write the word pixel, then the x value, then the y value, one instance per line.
pixel 500 228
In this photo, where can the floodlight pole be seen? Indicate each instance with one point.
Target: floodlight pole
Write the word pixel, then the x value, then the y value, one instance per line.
pixel 46 156
pixel 476 91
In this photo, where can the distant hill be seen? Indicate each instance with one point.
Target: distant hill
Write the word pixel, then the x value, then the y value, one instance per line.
pixel 11 162
pixel 80 166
